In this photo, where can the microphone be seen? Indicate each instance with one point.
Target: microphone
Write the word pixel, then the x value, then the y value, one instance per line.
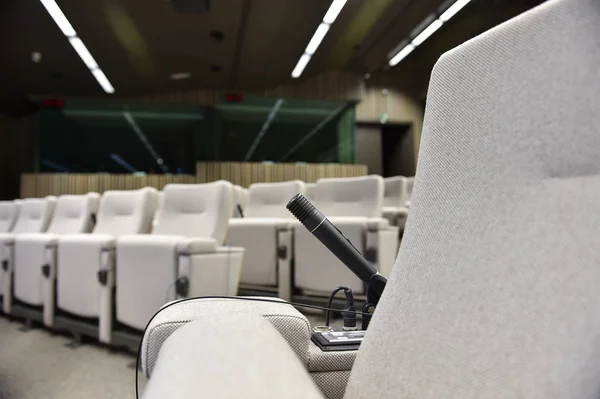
pixel 338 244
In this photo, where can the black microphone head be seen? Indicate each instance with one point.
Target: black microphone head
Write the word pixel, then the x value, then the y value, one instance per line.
pixel 305 212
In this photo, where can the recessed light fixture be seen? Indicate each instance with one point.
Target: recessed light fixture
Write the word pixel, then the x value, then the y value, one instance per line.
pixel 180 75
pixel 67 29
pixel 332 13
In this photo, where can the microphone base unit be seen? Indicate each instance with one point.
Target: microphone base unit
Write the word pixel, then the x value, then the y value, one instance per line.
pixel 330 339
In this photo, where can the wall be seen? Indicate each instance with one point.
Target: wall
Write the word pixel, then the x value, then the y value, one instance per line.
pixel 246 173
pixel 18 150
pixel 42 184
pixel 368 148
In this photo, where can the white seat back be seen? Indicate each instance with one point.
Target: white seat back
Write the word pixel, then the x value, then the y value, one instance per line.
pixel 310 191
pixel 350 196
pixel 35 215
pixel 74 214
pixel 9 211
pixel 126 212
pixel 240 201
pixel 268 200
pixel 395 191
pixel 409 189
pixel 196 210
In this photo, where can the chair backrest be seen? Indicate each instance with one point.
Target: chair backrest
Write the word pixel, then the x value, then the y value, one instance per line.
pixel 410 182
pixel 268 200
pixel 9 211
pixel 35 215
pixel 310 191
pixel 126 212
pixel 159 202
pixel 196 210
pixel 350 196
pixel 74 214
pixel 240 201
pixel 395 191
pixel 496 288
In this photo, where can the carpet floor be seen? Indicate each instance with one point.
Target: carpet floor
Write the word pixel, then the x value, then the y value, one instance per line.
pixel 36 364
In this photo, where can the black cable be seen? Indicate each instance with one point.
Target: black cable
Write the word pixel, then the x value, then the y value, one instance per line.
pixel 331 296
pixel 137 361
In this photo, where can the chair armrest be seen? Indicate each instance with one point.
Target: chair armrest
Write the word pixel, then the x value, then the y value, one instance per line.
pixel 199 245
pixel 280 224
pixel 292 324
pixel 46 239
pixel 102 241
pixel 7 238
pixel 229 357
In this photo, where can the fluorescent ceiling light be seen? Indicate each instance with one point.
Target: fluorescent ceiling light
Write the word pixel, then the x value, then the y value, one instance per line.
pixel 402 54
pixel 67 29
pixel 332 13
pixel 317 39
pixel 58 17
pixel 83 52
pixel 430 30
pixel 302 62
pixel 101 78
pixel 334 10
pixel 453 9
pixel 180 75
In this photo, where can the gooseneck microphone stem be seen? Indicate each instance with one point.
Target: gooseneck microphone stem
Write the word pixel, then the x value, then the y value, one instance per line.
pixel 338 244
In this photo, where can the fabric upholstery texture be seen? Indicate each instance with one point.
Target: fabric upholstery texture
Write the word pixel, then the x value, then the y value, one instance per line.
pixel 292 325
pixel 225 358
pixel 495 292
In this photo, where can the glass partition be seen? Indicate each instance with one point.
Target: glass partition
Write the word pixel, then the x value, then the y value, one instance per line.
pixel 95 136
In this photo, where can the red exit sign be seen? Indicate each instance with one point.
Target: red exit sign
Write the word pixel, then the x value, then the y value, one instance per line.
pixel 53 103
pixel 234 97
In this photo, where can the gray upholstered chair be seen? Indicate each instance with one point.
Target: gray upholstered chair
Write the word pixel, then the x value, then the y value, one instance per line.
pixel 496 289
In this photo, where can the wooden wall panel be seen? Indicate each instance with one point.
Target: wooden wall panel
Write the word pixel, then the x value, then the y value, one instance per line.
pixel 246 173
pixel 43 184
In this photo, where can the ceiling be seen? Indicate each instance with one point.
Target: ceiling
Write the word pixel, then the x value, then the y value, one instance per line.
pixel 140 43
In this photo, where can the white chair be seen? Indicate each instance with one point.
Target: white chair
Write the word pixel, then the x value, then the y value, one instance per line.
pixel 310 191
pixel 9 211
pixel 158 206
pixel 86 262
pixel 265 233
pixel 410 181
pixel 240 201
pixel 34 264
pixel 34 217
pixel 395 197
pixel 354 206
pixel 184 246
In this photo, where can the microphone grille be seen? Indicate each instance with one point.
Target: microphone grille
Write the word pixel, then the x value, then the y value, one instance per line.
pixel 304 211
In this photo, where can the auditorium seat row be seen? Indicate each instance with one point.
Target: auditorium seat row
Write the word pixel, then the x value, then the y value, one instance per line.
pixel 60 255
